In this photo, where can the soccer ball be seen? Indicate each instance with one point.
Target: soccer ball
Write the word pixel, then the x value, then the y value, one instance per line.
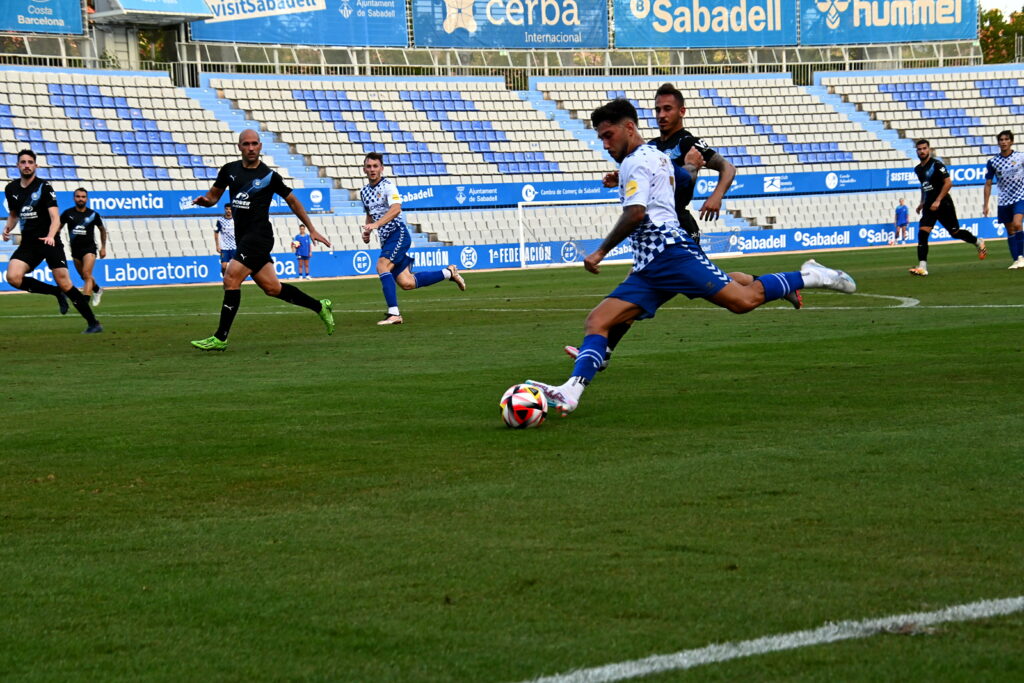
pixel 295 245
pixel 523 406
pixel 892 243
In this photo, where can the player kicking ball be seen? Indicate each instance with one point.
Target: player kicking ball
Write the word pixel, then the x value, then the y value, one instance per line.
pixel 666 261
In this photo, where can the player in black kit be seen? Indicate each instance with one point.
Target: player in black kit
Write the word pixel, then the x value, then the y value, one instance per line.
pixel 252 186
pixel 32 202
pixel 937 206
pixel 82 224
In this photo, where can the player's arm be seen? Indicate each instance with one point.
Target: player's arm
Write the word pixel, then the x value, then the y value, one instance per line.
pixel 300 212
pixel 12 220
pixel 51 236
pixel 103 237
pixel 726 174
pixel 947 185
pixel 216 239
pixel 988 196
pixel 629 219
pixel 611 179
pixel 389 215
pixel 210 198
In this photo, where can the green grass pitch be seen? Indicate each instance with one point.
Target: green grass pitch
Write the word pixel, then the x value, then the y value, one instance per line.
pixel 350 508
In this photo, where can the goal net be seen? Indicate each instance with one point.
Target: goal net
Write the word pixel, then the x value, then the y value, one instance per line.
pixel 560 232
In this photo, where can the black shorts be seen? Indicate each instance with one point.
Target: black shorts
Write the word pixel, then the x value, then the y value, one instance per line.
pixel 34 251
pixel 80 249
pixel 946 215
pixel 253 251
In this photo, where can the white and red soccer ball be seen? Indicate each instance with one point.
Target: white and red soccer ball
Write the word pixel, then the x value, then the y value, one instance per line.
pixel 523 406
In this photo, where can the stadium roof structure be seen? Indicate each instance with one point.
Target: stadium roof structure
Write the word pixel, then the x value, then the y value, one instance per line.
pixel 166 12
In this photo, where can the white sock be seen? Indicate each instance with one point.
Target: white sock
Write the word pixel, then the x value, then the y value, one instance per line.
pixel 573 388
pixel 812 278
pixel 393 310
pixel 923 265
pixel 447 273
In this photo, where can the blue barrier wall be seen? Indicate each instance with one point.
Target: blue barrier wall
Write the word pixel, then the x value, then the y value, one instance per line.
pixel 206 269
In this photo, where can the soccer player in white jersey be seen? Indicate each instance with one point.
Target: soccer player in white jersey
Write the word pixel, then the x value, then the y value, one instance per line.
pixel 383 205
pixel 224 238
pixel 666 260
pixel 1008 168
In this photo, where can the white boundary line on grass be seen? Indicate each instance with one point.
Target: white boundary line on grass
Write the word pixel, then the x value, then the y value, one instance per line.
pixel 829 633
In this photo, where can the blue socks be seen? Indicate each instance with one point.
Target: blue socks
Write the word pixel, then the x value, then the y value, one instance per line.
pixel 387 283
pixel 431 278
pixel 778 285
pixel 588 362
pixel 1016 244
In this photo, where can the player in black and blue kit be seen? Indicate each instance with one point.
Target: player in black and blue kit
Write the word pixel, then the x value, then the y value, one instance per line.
pixel 252 186
pixel 666 260
pixel 937 206
pixel 82 224
pixel 32 203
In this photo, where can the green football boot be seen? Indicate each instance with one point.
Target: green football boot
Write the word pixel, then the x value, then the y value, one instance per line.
pixel 210 344
pixel 326 315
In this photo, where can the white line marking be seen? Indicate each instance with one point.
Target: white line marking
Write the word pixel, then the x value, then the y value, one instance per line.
pixel 829 633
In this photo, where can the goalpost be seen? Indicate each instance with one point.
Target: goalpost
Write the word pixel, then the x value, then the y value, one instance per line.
pixel 552 233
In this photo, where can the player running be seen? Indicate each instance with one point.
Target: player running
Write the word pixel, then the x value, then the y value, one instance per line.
pixel 252 186
pixel 32 203
pixel 937 206
pixel 82 224
pixel 383 205
pixel 666 260
pixel 1008 168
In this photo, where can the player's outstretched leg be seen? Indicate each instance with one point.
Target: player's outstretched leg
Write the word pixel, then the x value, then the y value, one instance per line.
pixel 817 276
pixel 322 307
pixel 566 397
pixel 432 277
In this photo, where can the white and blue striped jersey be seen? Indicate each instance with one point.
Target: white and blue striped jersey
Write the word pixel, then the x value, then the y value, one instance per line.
pixel 1009 172
pixel 646 178
pixel 377 199
pixel 226 230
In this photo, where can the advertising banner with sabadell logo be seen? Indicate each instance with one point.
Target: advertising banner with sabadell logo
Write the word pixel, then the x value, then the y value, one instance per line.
pixel 374 23
pixel 549 24
pixel 835 22
pixel 41 16
pixel 705 23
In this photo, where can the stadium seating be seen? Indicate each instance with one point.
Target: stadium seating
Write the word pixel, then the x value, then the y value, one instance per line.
pixel 434 132
pixel 853 208
pixel 959 111
pixel 763 125
pixel 107 130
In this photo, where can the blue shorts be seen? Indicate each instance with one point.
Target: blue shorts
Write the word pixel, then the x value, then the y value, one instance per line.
pixel 680 269
pixel 302 257
pixel 226 255
pixel 1006 213
pixel 396 249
